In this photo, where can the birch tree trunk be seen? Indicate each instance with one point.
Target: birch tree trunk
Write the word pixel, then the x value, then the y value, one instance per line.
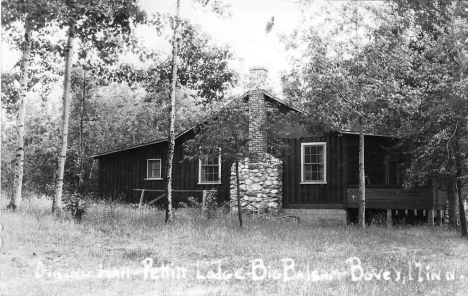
pixel 1 120
pixel 57 202
pixel 19 164
pixel 81 177
pixel 171 140
pixel 239 207
pixel 362 180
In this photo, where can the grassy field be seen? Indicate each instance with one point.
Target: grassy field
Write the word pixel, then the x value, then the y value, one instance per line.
pixel 103 255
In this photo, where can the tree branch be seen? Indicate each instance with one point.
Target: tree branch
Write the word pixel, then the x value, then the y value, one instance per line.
pixel 448 142
pixel 351 107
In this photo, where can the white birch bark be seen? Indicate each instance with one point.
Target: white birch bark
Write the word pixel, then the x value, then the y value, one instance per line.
pixel 171 140
pixel 19 163
pixel 57 202
pixel 362 180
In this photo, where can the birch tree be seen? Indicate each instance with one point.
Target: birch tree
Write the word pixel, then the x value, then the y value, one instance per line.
pixel 171 138
pixel 18 182
pixel 32 14
pixel 101 24
pixel 88 20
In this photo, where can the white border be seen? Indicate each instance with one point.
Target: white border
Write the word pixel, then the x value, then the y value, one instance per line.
pixel 219 173
pixel 324 144
pixel 160 169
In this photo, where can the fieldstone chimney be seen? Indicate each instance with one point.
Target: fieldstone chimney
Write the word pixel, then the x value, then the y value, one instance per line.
pixel 260 176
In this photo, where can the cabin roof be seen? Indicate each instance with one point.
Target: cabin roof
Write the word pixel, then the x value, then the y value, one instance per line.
pixel 348 132
pixel 194 125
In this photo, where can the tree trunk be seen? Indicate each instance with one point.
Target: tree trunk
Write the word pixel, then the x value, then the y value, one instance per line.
pixel 461 208
pixel 57 203
pixel 460 205
pixel 170 150
pixel 1 120
pixel 452 211
pixel 80 176
pixel 362 180
pixel 90 176
pixel 18 182
pixel 239 207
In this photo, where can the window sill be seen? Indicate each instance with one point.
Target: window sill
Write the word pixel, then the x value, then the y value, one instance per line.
pixel 214 183
pixel 153 179
pixel 313 183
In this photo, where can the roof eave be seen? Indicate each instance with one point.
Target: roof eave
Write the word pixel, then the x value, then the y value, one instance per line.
pixel 192 127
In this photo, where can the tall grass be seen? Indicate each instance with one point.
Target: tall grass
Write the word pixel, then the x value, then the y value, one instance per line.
pixel 119 236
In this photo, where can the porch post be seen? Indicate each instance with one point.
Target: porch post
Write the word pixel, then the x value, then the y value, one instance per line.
pixel 389 221
pixel 430 217
pixel 439 217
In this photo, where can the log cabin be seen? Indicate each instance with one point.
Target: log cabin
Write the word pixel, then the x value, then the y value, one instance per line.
pixel 316 179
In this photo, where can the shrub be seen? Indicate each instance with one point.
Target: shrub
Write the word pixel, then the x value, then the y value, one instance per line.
pixel 76 206
pixel 211 207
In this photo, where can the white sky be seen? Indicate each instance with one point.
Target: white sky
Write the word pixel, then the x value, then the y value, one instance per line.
pixel 245 31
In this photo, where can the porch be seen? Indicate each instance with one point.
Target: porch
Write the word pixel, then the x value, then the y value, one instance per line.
pixel 395 198
pixel 395 203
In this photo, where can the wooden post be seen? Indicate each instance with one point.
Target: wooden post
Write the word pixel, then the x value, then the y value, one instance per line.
pixel 141 198
pixel 389 221
pixel 430 218
pixel 440 216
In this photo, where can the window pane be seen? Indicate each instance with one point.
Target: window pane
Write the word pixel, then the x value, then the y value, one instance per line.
pixel 210 170
pixel 154 168
pixel 307 172
pixel 314 163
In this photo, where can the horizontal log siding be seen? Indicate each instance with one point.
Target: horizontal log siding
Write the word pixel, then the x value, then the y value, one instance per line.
pixel 333 194
pixel 388 198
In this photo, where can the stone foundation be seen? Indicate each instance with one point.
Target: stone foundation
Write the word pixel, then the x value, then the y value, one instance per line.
pixel 260 184
pixel 335 216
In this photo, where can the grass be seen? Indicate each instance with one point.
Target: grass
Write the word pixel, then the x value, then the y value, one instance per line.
pixel 118 238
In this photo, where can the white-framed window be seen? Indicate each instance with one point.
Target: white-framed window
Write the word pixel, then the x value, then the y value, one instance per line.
pixel 153 171
pixel 314 163
pixel 209 170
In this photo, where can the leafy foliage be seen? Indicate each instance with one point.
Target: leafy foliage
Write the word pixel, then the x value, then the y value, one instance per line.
pixel 339 80
pixel 76 206
pixel 224 132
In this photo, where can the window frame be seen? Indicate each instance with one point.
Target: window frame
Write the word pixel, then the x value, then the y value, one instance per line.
pixel 147 169
pixel 324 145
pixel 200 172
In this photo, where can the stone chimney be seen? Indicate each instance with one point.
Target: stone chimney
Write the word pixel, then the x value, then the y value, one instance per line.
pixel 257 83
pixel 261 175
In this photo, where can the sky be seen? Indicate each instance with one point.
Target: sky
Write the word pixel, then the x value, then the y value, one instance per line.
pixel 244 31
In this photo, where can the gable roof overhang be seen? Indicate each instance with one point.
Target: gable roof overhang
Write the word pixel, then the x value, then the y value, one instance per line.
pixel 349 132
pixel 244 95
